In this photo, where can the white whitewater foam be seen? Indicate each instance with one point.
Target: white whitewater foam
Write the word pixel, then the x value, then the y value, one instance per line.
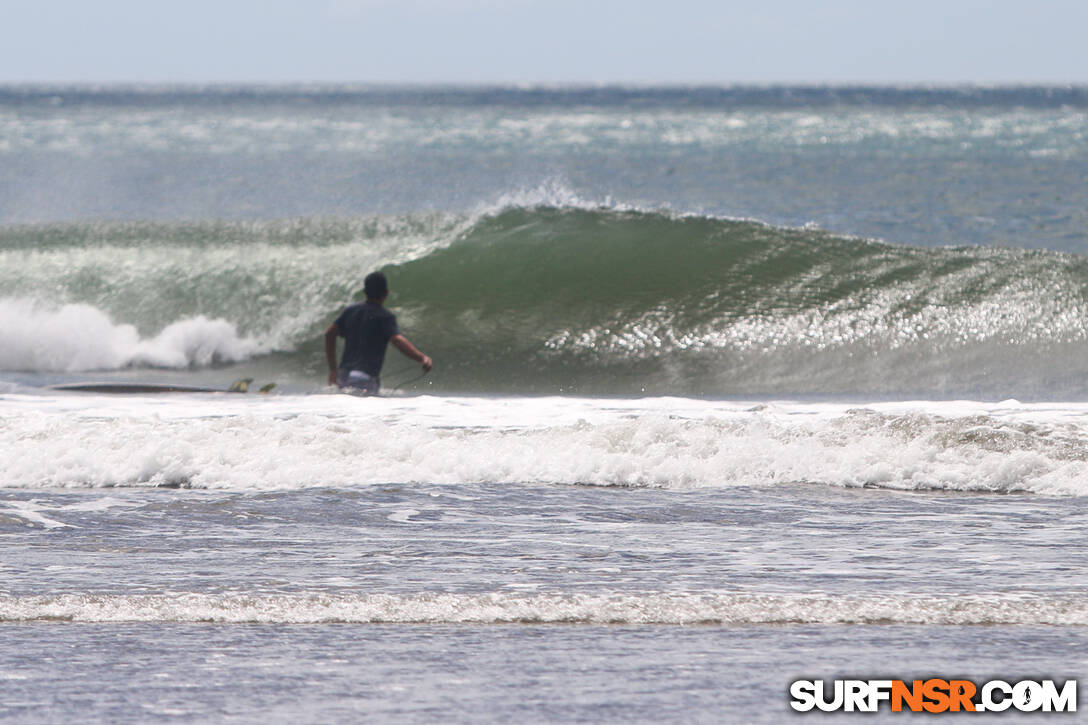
pixel 269 443
pixel 79 337
pixel 712 608
pixel 31 512
pixel 65 308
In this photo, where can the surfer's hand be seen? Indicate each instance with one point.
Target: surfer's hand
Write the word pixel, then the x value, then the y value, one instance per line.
pixel 334 378
pixel 427 364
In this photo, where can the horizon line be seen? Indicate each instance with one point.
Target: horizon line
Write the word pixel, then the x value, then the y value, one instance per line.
pixel 541 85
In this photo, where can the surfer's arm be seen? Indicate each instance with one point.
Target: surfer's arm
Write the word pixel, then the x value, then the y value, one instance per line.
pixel 409 350
pixel 330 352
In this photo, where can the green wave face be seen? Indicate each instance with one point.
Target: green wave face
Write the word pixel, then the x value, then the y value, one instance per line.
pixel 627 302
pixel 546 299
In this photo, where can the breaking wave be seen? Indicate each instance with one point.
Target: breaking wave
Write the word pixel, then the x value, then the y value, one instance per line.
pixel 567 297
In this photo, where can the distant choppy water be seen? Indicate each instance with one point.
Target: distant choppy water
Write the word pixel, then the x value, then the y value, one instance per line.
pixel 821 272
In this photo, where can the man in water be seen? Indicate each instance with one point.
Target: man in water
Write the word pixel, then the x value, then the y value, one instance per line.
pixel 366 328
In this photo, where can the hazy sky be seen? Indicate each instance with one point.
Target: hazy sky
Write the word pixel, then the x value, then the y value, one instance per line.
pixel 479 41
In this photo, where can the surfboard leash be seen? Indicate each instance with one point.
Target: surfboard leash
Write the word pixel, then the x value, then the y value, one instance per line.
pixel 409 380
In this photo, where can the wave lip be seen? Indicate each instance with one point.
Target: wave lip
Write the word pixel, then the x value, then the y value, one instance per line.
pixel 714 608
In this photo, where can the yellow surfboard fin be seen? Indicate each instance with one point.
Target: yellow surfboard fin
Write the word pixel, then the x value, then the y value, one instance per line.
pixel 240 386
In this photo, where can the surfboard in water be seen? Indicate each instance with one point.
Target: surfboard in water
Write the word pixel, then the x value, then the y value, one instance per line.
pixel 239 386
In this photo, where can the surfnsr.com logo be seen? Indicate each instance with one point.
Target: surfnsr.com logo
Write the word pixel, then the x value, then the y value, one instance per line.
pixel 933 695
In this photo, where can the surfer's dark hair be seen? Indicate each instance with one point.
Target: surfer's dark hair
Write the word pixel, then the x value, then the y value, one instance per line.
pixel 376 286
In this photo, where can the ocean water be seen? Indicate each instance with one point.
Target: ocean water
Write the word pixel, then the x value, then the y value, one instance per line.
pixel 732 387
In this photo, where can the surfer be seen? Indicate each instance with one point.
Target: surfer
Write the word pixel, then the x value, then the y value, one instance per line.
pixel 367 328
